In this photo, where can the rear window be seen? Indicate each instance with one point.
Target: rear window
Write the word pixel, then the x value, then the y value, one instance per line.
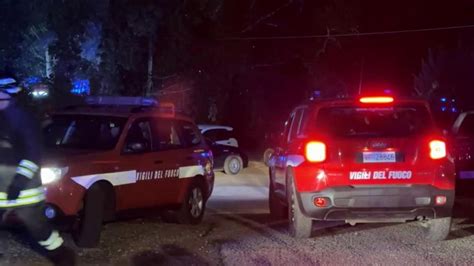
pixel 397 121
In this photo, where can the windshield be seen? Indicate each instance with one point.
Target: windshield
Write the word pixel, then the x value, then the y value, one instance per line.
pixel 83 132
pixel 374 122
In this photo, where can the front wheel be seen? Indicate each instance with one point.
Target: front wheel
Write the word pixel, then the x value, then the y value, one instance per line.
pixel 438 229
pixel 87 232
pixel 300 226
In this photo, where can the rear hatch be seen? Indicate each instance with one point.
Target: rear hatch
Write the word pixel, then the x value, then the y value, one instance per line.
pixel 378 145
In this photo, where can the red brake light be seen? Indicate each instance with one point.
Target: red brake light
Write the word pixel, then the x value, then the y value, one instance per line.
pixel 437 149
pixel 315 151
pixel 377 99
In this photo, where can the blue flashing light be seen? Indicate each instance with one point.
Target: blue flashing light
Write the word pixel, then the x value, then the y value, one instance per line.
pixel 454 110
pixel 443 99
pixel 81 87
pixel 443 109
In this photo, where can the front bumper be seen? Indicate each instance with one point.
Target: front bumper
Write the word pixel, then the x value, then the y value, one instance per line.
pixel 377 203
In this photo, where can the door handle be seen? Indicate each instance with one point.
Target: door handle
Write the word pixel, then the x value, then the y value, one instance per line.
pixel 158 161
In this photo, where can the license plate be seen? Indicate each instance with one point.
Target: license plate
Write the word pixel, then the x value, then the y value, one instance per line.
pixel 379 157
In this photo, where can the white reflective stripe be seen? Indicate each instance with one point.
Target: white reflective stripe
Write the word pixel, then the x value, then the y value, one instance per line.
pixel 115 178
pixel 191 171
pixel 29 165
pixel 25 172
pixel 31 192
pixel 53 242
pixel 56 244
pixel 25 193
pixel 21 202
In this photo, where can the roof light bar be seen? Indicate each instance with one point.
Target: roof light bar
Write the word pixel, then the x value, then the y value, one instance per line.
pixel 376 99
pixel 127 101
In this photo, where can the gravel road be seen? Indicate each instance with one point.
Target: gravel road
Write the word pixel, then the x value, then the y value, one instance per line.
pixel 237 230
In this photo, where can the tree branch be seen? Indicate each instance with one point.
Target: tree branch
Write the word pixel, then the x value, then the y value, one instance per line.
pixel 251 26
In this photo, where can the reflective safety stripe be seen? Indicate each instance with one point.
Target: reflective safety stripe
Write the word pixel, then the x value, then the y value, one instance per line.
pixel 25 193
pixel 53 242
pixel 25 172
pixel 27 197
pixel 21 202
pixel 29 165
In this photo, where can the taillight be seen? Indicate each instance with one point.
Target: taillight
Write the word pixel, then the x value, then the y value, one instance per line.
pixel 315 151
pixel 437 149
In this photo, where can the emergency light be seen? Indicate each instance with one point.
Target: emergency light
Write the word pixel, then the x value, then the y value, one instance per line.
pixel 376 99
pixel 127 101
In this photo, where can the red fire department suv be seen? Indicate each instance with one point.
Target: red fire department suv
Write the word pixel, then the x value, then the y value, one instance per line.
pixel 117 154
pixel 371 159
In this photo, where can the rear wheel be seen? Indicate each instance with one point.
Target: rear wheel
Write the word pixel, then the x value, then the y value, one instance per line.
pixel 87 231
pixel 438 229
pixel 233 164
pixel 299 225
pixel 277 209
pixel 193 205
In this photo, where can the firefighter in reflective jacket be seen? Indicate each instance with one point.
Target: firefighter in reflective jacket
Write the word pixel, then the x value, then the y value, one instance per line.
pixel 21 191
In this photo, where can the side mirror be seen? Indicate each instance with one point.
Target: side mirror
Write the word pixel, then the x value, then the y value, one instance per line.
pixel 136 147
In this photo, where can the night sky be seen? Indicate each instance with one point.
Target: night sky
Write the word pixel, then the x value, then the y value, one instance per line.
pixel 390 58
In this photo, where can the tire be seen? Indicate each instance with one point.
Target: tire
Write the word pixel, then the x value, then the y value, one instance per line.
pixel 193 206
pixel 266 155
pixel 299 225
pixel 233 164
pixel 438 229
pixel 87 232
pixel 277 209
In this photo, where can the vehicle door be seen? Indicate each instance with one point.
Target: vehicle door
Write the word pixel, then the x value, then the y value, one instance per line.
pixel 139 153
pixel 176 158
pixel 194 156
pixel 283 156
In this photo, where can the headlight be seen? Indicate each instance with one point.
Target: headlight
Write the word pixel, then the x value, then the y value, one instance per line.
pixel 50 175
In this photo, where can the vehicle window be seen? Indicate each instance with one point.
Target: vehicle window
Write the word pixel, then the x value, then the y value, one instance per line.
pixel 190 133
pixel 467 126
pixel 288 124
pixel 166 134
pixel 295 125
pixel 302 121
pixel 83 132
pixel 217 134
pixel 223 134
pixel 140 132
pixel 373 122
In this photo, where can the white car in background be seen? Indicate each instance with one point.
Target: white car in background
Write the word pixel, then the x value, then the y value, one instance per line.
pixel 222 135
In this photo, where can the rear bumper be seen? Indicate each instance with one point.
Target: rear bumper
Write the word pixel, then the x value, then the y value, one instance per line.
pixel 377 203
